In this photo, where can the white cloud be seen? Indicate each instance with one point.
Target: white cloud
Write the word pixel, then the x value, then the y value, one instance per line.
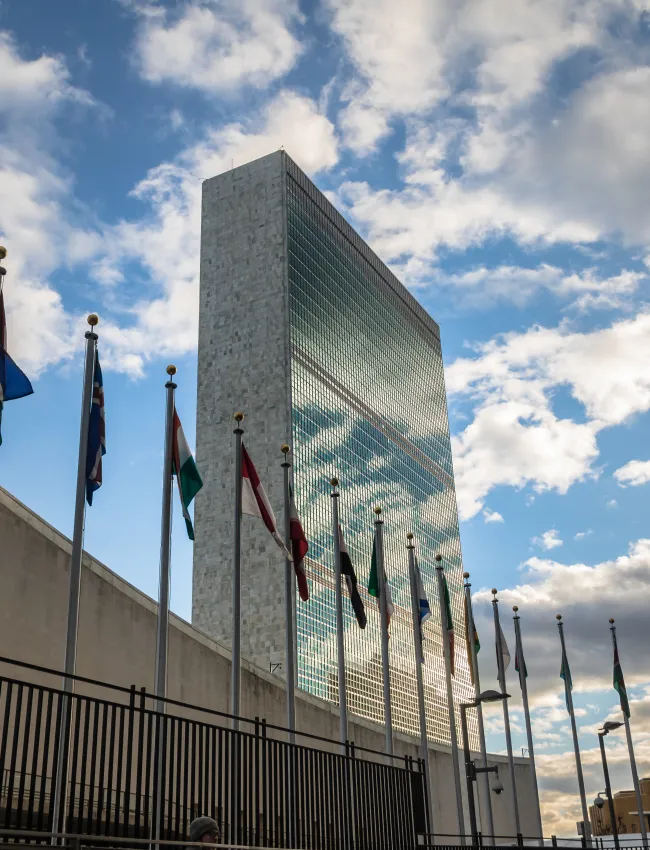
pixel 35 225
pixel 516 438
pixel 580 535
pixel 549 540
pixel 634 473
pixel 218 46
pixel 612 503
pixel 492 516
pixel 167 323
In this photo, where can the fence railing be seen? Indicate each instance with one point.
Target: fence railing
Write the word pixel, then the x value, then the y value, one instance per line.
pixel 133 771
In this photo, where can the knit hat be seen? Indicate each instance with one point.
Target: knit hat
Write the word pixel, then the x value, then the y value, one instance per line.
pixel 200 826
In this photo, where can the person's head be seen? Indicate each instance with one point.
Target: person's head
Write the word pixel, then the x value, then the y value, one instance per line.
pixel 204 829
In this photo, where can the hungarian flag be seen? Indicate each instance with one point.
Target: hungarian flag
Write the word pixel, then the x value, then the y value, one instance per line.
pixel 299 548
pixel 565 675
pixel 449 624
pixel 254 501
pixel 187 475
pixel 424 610
pixel 347 570
pixel 373 585
pixel 13 381
pixel 468 641
pixel 619 682
pixel 96 445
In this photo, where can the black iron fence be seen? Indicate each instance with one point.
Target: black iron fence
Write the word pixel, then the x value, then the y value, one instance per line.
pixel 131 770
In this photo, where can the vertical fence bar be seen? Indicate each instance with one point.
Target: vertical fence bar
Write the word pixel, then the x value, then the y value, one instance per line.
pixel 5 728
pixel 102 768
pixel 93 768
pixel 46 755
pixel 12 757
pixel 129 760
pixel 24 753
pixel 172 830
pixel 72 701
pixel 83 765
pixel 118 777
pixel 138 763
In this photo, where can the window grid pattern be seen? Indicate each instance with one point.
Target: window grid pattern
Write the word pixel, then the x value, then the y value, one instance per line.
pixel 350 330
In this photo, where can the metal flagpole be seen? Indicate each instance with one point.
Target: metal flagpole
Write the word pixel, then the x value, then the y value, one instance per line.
pixel 290 654
pixel 529 731
pixel 473 660
pixel 235 673
pixel 162 634
pixel 506 715
pixel 70 662
pixel 383 611
pixel 450 699
pixel 574 731
pixel 630 748
pixel 343 694
pixel 417 642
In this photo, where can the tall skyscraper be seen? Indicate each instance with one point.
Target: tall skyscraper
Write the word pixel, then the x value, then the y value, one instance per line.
pixel 310 335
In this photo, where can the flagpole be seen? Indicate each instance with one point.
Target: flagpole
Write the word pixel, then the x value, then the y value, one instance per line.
pixel 506 715
pixel 473 660
pixel 630 748
pixel 383 612
pixel 417 643
pixel 288 604
pixel 70 662
pixel 235 672
pixel 574 731
pixel 162 633
pixel 450 699
pixel 529 732
pixel 343 693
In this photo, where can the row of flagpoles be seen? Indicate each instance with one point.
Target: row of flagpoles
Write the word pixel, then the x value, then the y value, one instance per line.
pixel 251 499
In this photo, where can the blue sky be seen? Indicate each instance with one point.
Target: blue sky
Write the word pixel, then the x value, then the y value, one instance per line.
pixel 494 155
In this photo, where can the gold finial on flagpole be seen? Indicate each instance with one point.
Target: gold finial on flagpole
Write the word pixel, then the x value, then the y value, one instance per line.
pixel 515 608
pixel 438 557
pixel 465 575
pixel 377 511
pixel 409 536
pixel 611 620
pixel 238 417
pixel 3 252
pixel 171 369
pixel 93 319
pixel 334 481
pixel 285 448
pixel 558 617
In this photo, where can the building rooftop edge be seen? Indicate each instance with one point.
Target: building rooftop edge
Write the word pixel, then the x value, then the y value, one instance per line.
pixel 19 509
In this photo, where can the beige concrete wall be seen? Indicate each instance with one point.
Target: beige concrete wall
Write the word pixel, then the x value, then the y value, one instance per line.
pixel 117 629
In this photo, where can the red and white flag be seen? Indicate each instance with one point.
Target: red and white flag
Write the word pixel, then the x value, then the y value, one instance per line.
pixel 254 501
pixel 299 547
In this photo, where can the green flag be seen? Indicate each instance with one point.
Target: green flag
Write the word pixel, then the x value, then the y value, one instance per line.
pixel 619 682
pixel 565 674
pixel 373 584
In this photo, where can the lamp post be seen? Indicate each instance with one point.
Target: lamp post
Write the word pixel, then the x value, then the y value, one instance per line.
pixel 608 727
pixel 471 771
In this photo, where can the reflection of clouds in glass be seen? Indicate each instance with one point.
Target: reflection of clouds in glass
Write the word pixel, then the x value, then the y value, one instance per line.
pixel 369 406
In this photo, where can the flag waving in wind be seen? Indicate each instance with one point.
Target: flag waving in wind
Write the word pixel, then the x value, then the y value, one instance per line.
pixel 469 638
pixel 520 665
pixel 347 570
pixel 424 609
pixel 96 448
pixel 13 381
pixel 449 625
pixel 502 649
pixel 619 682
pixel 299 548
pixel 187 475
pixel 254 500
pixel 373 585
pixel 565 675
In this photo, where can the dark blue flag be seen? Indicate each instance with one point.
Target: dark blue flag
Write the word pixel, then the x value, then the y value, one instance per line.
pixel 96 435
pixel 14 383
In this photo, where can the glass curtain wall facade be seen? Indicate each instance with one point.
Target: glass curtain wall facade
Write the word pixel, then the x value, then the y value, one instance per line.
pixel 369 406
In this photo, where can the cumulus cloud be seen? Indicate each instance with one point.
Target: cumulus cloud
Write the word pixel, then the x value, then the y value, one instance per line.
pixel 35 223
pixel 492 516
pixel 548 540
pixel 516 438
pixel 580 535
pixel 218 46
pixel 171 226
pixel 634 473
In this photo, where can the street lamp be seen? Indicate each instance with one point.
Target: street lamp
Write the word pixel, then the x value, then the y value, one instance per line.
pixel 608 727
pixel 471 770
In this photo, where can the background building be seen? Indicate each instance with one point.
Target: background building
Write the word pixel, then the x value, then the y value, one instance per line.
pixel 626 811
pixel 308 333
